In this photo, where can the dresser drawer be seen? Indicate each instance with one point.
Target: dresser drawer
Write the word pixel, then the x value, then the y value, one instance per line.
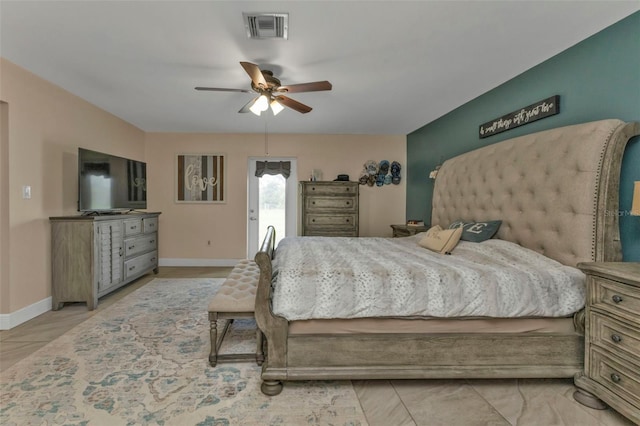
pixel 132 226
pixel 140 264
pixel 140 244
pixel 331 232
pixel 619 376
pixel 343 204
pixel 341 221
pixel 149 225
pixel 330 188
pixel 619 299
pixel 614 335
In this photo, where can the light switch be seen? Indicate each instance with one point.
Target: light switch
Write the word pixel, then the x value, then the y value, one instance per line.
pixel 26 192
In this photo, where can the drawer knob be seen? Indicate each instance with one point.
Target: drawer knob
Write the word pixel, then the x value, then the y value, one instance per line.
pixel 347 203
pixel 347 220
pixel 615 378
pixel 131 247
pixel 616 338
pixel 313 220
pixel 313 202
pixel 616 298
pixel 131 268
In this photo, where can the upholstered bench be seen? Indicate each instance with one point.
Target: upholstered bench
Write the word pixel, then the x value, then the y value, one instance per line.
pixel 235 300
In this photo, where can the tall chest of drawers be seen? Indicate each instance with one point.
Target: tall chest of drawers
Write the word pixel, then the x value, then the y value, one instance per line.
pixel 329 208
pixel 612 338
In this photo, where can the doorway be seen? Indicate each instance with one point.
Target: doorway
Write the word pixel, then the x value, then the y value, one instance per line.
pixel 272 201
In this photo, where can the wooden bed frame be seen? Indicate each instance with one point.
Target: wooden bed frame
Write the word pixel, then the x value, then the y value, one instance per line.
pixel 555 191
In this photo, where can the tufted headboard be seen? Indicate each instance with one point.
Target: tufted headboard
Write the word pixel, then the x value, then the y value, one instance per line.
pixel 555 191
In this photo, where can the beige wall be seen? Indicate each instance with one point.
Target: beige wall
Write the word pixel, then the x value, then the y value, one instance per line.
pixel 46 125
pixel 186 228
pixel 4 206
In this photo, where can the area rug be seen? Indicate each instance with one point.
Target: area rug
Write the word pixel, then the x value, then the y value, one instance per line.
pixel 143 361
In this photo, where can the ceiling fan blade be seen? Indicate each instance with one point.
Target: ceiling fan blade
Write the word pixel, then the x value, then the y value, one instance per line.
pixel 254 72
pixel 246 106
pixel 315 86
pixel 288 102
pixel 218 89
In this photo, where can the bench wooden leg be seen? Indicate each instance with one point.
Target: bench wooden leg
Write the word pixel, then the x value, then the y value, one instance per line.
pixel 213 334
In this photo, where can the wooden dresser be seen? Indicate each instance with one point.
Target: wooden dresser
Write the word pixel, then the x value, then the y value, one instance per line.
pixel 612 338
pixel 329 208
pixel 95 255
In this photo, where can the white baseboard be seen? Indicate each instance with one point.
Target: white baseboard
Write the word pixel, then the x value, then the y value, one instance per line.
pixel 197 262
pixel 8 321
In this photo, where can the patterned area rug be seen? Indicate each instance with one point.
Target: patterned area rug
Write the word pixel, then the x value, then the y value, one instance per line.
pixel 143 361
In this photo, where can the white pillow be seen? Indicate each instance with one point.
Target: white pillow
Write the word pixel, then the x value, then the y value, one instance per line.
pixel 440 240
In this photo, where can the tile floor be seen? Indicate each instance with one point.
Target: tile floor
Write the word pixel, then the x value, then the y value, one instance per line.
pixel 523 402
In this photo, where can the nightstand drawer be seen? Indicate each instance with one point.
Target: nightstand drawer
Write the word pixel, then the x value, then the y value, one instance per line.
pixel 619 376
pixel 614 335
pixel 614 297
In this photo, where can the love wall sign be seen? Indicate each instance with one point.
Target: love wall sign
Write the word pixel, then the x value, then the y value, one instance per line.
pixel 529 114
pixel 200 178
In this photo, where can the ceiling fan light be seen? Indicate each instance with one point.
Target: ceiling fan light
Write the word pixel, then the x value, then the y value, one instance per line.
pixel 276 107
pixel 262 103
pixel 254 109
pixel 258 105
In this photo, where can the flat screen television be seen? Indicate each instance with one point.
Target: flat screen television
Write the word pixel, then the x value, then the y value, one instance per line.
pixel 110 184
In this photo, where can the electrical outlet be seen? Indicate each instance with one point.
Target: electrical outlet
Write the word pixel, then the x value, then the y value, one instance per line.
pixel 26 192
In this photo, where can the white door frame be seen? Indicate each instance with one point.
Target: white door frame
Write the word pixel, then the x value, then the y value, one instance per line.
pixel 291 202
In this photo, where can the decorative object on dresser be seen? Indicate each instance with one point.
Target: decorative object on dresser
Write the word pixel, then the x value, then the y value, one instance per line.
pixel 612 338
pixel 408 229
pixel 329 208
pixel 95 255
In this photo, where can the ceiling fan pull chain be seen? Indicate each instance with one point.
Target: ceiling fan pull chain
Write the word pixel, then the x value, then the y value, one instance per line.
pixel 266 138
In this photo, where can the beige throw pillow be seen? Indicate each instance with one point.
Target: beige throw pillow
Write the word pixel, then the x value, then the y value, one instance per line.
pixel 441 240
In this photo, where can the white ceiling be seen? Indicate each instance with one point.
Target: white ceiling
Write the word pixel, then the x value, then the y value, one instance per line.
pixel 394 65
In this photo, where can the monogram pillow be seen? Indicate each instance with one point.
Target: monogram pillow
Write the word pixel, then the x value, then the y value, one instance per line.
pixel 477 232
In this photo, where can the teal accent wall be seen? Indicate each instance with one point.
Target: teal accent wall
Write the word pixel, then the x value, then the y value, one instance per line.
pixel 596 79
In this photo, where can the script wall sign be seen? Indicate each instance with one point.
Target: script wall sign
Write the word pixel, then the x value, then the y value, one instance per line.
pixel 200 178
pixel 541 109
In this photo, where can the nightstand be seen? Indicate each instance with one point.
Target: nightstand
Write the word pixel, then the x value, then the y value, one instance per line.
pixel 612 338
pixel 407 230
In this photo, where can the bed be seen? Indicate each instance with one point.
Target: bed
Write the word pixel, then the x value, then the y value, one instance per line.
pixel 556 195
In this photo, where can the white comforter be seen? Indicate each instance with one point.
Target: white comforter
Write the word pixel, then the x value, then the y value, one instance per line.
pixel 342 277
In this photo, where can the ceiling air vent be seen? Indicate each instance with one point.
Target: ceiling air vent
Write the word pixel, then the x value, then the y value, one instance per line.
pixel 266 25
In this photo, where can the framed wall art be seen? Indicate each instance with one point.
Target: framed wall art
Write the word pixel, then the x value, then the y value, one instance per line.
pixel 200 178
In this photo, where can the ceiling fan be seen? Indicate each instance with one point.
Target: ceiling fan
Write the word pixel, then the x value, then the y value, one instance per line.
pixel 271 92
